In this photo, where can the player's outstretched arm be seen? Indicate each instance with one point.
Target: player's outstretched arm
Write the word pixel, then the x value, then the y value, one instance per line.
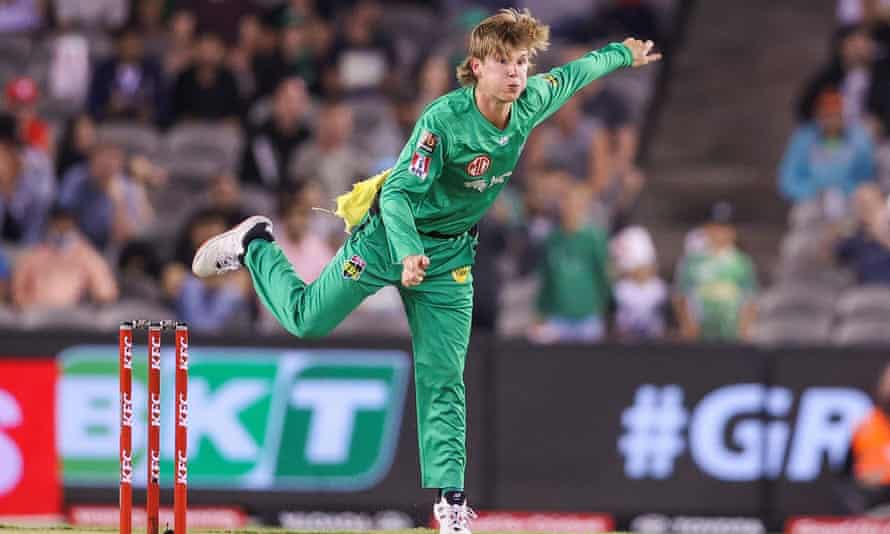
pixel 641 51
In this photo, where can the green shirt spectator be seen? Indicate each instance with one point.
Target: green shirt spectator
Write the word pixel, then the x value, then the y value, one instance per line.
pixel 716 284
pixel 575 289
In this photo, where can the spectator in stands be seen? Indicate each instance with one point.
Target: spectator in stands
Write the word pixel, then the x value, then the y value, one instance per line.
pixel 857 12
pixel 851 72
pixel 307 251
pixel 108 15
pixel 22 98
pixel 212 305
pixel 179 43
pixel 62 271
pixel 19 16
pixel 826 156
pixel 297 54
pixel 330 158
pixel 241 56
pixel 579 147
pixel 220 17
pixel 362 59
pixel 139 271
pixel 435 79
pixel 640 295
pixel 27 188
pixel 867 250
pixel 871 440
pixel 207 90
pixel 109 207
pixel 147 17
pixel 271 146
pixel 127 86
pixel 574 285
pixel 570 143
pixel 715 286
pixel 77 142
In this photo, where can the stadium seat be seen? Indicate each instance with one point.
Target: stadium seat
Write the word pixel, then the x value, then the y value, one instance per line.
pixel 132 137
pixel 517 306
pixel 812 329
pixel 869 302
pixel 865 332
pixel 196 151
pixel 795 300
pixel 805 215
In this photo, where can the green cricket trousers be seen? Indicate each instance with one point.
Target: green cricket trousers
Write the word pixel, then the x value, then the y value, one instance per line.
pixel 439 313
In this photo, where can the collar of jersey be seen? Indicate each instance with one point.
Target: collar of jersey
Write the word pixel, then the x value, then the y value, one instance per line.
pixel 488 123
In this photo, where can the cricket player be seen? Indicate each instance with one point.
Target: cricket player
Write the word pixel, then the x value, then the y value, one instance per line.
pixel 414 226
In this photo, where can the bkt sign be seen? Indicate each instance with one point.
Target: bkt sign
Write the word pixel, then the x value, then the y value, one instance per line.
pixel 740 432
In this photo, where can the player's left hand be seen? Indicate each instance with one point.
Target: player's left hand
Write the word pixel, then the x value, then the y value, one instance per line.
pixel 641 51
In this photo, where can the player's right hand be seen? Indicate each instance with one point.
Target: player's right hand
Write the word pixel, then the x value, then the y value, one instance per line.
pixel 640 50
pixel 414 269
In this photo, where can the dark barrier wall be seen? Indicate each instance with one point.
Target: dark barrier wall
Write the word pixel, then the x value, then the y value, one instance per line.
pixel 626 430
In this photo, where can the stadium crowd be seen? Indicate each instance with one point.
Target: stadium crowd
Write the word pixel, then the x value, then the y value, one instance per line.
pixel 133 130
pixel 833 278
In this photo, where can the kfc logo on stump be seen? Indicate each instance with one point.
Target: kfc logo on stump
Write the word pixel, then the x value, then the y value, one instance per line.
pixel 478 165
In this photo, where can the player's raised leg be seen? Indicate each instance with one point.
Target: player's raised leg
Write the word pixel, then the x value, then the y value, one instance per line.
pixel 440 313
pixel 305 310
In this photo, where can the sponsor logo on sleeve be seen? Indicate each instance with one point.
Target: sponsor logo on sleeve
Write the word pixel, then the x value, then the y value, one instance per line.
pixel 551 79
pixel 353 267
pixel 420 165
pixel 428 141
pixel 478 165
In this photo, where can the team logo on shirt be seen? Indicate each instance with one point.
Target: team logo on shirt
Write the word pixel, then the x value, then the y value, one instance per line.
pixel 353 267
pixel 428 141
pixel 461 274
pixel 420 165
pixel 478 165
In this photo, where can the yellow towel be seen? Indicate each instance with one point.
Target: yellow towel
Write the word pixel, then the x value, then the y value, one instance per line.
pixel 352 206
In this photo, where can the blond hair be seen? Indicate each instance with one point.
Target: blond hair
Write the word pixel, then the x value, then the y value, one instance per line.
pixel 507 28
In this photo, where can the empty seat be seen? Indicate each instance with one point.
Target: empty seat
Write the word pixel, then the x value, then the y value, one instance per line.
pixel 862 332
pixel 805 246
pixel 134 138
pixel 870 302
pixel 802 330
pixel 805 215
pixel 197 151
pixel 790 300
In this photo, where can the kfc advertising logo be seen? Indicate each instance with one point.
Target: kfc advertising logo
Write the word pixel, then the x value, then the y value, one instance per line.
pixel 29 482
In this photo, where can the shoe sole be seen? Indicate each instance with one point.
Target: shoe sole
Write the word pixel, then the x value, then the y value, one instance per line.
pixel 243 226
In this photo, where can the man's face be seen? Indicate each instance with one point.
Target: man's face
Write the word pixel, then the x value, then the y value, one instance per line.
pixel 106 162
pixel 291 100
pixel 831 121
pixel 502 76
pixel 720 236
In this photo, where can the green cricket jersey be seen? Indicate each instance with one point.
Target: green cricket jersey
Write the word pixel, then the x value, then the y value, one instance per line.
pixel 456 161
pixel 574 283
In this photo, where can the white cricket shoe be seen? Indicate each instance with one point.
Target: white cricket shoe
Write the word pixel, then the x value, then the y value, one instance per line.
pixel 453 518
pixel 223 253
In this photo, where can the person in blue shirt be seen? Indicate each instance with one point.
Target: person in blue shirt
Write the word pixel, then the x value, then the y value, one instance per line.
pixel 826 154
